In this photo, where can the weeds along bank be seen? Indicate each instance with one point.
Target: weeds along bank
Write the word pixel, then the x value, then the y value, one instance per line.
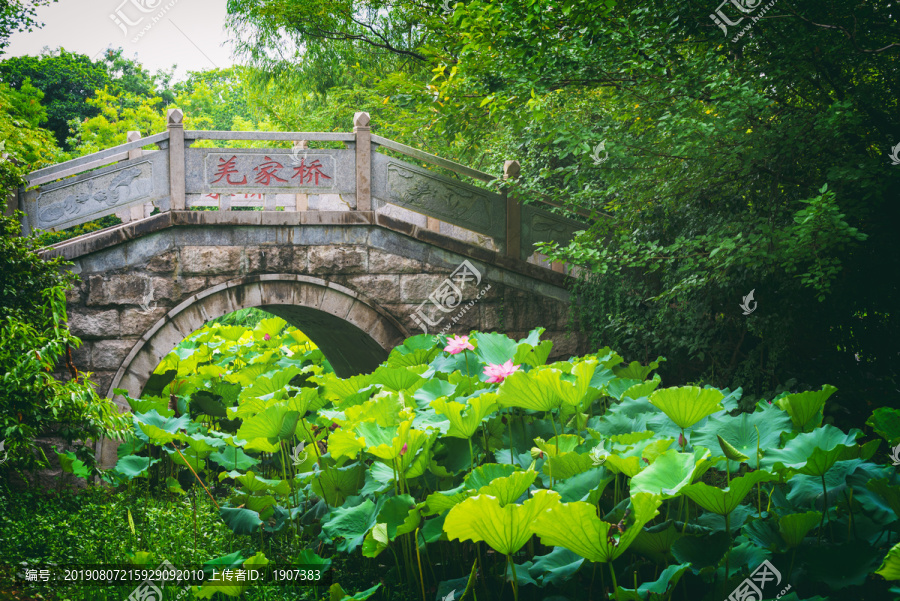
pixel 469 468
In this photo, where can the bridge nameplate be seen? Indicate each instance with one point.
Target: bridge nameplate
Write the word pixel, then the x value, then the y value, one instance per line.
pixel 227 171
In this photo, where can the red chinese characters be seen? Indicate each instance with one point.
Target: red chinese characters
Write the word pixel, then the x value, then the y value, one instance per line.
pixel 307 173
pixel 226 169
pixel 267 172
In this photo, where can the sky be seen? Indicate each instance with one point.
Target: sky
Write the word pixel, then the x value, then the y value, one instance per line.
pixel 189 33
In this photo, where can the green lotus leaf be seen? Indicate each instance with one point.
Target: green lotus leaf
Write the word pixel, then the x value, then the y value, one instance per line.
pixel 567 465
pixel 253 483
pixel 794 527
pixel 400 515
pixel 535 390
pixel 442 500
pixel 556 567
pixel 240 520
pixel 336 593
pixel 385 408
pixel 730 452
pixel 234 458
pixel 465 420
pixel 206 402
pixel 666 476
pixel 564 443
pixel 485 474
pixel 376 541
pixel 812 453
pixel 687 405
pixel 307 400
pixel 576 527
pixel 152 426
pixel 335 484
pixel 432 390
pixel 617 387
pixel 187 458
pixel 275 423
pixel 578 389
pixel 495 348
pixel 147 403
pixel 890 566
pixel 386 443
pixel 656 541
pixel 201 445
pixel 633 460
pixel 351 524
pixel 658 589
pixel 504 528
pixel 345 443
pixel 132 466
pixel 587 486
pixel 396 378
pixel 508 489
pixel 533 354
pixel 805 408
pixel 271 382
pixel 630 438
pixel 886 423
pixel 641 390
pixel 744 433
pixel 702 550
pixel 724 501
pixel 174 486
pixel 889 493
pixel 636 371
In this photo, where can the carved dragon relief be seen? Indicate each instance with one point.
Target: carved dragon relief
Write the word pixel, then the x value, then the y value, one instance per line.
pixel 125 186
pixel 546 227
pixel 433 197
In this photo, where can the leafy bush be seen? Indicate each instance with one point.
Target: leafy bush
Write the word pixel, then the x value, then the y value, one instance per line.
pixel 470 463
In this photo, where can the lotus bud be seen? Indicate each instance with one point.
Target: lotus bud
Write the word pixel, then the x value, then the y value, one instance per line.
pixel 404 449
pixel 267 338
pixel 681 440
pixel 536 453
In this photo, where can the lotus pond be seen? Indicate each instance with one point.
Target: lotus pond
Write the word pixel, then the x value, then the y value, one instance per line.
pixel 470 468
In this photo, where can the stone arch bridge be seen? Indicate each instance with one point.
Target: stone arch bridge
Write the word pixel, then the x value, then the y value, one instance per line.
pixel 353 245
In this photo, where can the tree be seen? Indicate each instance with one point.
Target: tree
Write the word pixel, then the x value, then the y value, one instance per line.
pixel 712 167
pixel 18 15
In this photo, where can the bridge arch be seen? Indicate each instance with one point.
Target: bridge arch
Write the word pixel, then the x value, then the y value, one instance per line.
pixel 353 332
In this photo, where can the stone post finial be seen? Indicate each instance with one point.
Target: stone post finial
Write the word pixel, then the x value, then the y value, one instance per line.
pixel 511 169
pixel 360 120
pixel 175 118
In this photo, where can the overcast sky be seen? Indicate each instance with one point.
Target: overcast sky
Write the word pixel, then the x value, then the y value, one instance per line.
pixel 189 33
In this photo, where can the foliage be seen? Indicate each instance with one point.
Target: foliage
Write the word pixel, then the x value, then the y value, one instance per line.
pixel 33 402
pixel 68 79
pixel 556 466
pixel 18 15
pixel 746 164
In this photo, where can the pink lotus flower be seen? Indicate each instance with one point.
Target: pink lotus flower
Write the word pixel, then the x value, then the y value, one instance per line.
pixel 267 338
pixel 458 344
pixel 498 373
pixel 681 440
pixel 404 449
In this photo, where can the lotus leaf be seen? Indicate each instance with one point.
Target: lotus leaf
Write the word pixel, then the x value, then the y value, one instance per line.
pixel 504 528
pixel 724 501
pixel 666 476
pixel 576 527
pixel 805 408
pixel 686 405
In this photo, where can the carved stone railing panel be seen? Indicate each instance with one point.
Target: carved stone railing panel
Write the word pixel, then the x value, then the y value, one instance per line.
pixel 539 225
pixel 98 193
pixel 422 191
